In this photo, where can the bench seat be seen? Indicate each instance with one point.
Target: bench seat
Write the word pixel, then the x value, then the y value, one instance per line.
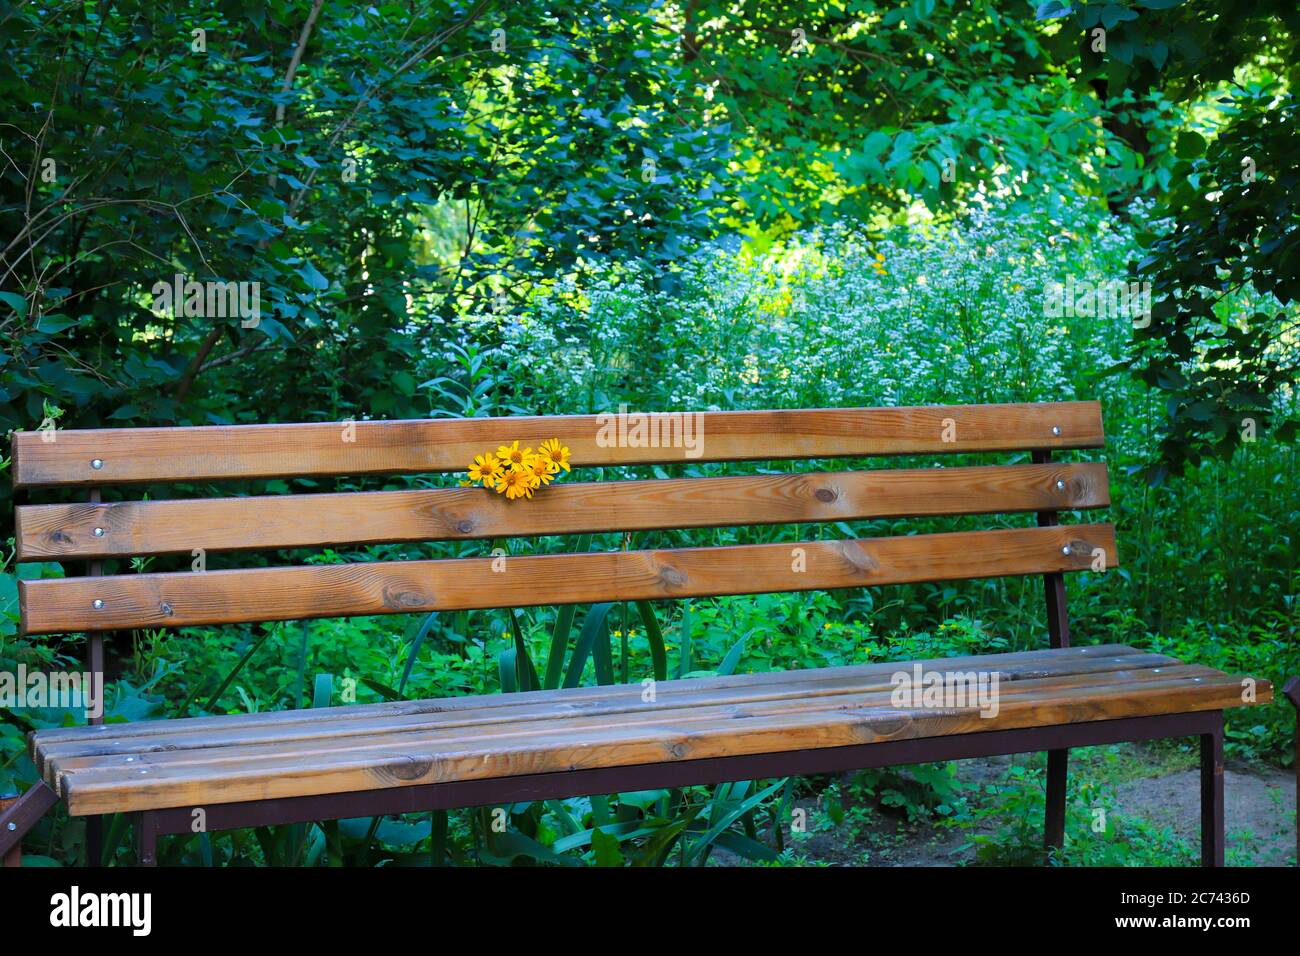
pixel 228 759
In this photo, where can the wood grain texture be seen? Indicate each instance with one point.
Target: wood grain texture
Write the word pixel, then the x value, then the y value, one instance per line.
pixel 135 455
pixel 1015 665
pixel 60 605
pixel 220 760
pixel 489 734
pixel 477 714
pixel 46 532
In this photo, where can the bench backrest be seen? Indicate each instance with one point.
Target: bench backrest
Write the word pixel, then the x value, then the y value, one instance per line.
pixel 95 530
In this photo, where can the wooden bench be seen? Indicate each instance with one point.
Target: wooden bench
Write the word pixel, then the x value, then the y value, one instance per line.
pixel 363 760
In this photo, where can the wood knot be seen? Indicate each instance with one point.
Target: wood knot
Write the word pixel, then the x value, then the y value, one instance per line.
pixel 857 555
pixel 671 577
pixel 826 494
pixel 398 598
pixel 405 768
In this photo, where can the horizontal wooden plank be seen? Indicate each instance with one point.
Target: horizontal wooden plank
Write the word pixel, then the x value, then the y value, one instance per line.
pixel 1017 664
pixel 654 734
pixel 134 455
pixel 59 605
pixel 324 724
pixel 118 529
pixel 491 734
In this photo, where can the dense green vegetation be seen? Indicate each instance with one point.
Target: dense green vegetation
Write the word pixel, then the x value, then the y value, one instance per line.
pixel 485 209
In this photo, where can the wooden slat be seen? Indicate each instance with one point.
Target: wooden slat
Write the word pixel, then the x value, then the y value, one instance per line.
pixel 1020 664
pixel 273 451
pixel 117 783
pixel 45 532
pixel 325 724
pixel 60 605
pixel 489 735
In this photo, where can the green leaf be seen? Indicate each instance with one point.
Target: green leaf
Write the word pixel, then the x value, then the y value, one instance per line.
pixel 312 276
pixel 323 691
pixel 592 628
pixel 52 324
pixel 560 635
pixel 700 844
pixel 658 653
pixel 606 849
pixel 507 673
pixel 1189 144
pixel 15 302
pixel 415 649
pixel 729 662
pixel 684 663
pixel 525 672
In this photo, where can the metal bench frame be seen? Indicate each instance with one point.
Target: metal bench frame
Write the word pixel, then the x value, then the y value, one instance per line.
pixel 1056 740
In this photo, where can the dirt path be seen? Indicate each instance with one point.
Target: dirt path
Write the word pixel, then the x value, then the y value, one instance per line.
pixel 1259 811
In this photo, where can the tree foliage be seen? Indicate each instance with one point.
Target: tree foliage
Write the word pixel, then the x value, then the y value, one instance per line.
pixel 383 171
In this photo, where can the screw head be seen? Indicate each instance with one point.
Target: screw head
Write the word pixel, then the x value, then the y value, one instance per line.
pixel 1065 549
pixel 1060 486
pixel 12 827
pixel 1056 429
pixel 97 604
pixel 97 463
pixel 99 532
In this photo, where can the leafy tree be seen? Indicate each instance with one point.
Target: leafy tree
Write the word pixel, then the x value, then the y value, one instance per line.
pixel 1225 273
pixel 377 171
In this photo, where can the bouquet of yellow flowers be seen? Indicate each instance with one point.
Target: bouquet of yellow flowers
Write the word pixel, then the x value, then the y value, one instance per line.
pixel 517 472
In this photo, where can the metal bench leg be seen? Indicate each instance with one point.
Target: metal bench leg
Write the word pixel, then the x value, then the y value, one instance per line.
pixel 1212 796
pixel 146 839
pixel 1058 762
pixel 15 855
pixel 20 814
pixel 1292 692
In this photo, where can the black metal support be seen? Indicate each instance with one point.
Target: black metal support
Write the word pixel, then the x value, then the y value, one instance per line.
pixel 146 838
pixel 1212 795
pixel 422 798
pixel 14 857
pixel 94 843
pixel 1292 692
pixel 1058 633
pixel 21 815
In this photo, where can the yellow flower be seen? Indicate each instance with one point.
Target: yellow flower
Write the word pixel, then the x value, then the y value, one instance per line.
pixel 517 483
pixel 486 468
pixel 543 470
pixel 555 453
pixel 513 456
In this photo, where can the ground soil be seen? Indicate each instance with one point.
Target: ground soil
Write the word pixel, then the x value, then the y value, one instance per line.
pixel 1260 815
